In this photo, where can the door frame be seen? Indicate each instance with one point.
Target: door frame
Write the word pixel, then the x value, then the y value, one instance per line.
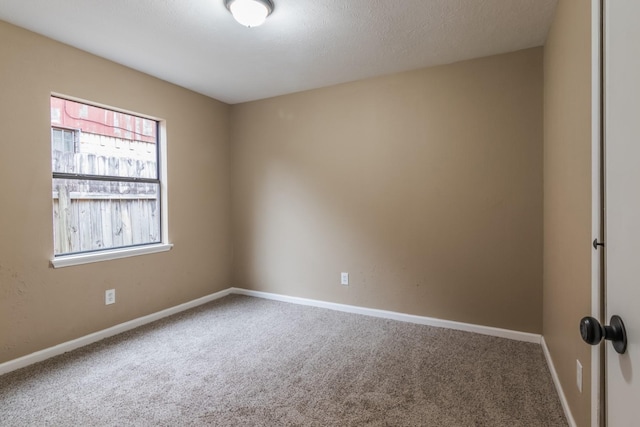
pixel 598 402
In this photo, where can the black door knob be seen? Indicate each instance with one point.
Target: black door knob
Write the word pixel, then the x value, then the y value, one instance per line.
pixel 592 332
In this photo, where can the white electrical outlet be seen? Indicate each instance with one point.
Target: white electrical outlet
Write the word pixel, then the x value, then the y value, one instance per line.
pixel 110 296
pixel 579 375
pixel 344 278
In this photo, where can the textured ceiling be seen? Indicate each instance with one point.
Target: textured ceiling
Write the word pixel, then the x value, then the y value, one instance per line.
pixel 304 44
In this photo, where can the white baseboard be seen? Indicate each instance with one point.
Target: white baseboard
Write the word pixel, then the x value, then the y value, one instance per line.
pixel 65 347
pixel 421 320
pixel 556 382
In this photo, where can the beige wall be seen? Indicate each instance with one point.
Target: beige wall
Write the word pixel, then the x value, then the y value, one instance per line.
pixel 425 186
pixel 41 306
pixel 567 197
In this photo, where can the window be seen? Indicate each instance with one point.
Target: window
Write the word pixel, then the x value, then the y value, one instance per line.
pixel 64 140
pixel 106 182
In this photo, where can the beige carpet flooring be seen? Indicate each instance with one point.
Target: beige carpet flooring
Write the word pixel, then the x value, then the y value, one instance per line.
pixel 243 361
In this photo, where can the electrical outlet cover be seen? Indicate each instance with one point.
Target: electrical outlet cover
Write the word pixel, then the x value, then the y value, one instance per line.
pixel 344 278
pixel 110 296
pixel 579 375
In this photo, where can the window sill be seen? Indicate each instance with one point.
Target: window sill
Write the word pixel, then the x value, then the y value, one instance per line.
pixel 69 260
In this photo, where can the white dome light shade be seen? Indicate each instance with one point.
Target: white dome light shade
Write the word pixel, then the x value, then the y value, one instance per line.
pixel 250 13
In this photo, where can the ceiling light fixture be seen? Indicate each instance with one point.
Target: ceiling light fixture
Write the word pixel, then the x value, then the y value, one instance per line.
pixel 250 13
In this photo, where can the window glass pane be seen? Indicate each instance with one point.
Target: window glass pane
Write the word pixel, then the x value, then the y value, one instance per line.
pixel 62 140
pixel 56 140
pixel 91 215
pixel 68 140
pixel 104 142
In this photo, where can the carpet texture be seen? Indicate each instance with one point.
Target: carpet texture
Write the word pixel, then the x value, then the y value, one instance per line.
pixel 242 361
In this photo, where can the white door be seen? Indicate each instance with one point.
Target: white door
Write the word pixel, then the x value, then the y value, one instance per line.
pixel 622 205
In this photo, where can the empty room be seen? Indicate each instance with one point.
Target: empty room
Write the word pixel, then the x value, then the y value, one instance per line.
pixel 318 213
